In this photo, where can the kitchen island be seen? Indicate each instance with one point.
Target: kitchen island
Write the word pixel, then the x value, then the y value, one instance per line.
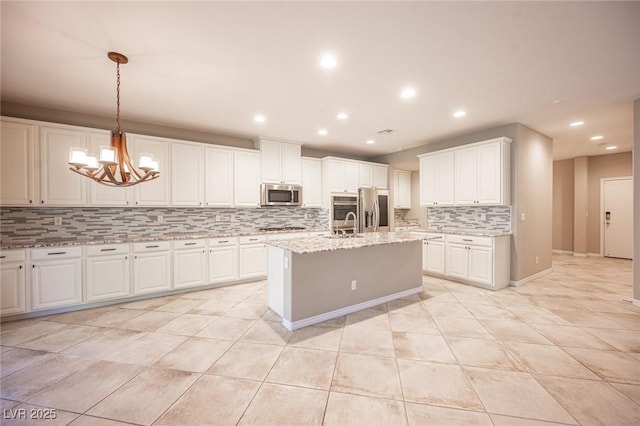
pixel 312 280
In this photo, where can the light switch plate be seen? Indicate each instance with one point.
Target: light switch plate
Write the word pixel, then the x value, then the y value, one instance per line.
pixel 521 217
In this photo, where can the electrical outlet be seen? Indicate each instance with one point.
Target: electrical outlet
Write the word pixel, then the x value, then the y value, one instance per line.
pixel 482 216
pixel 521 217
pixel 57 221
pixel 537 260
pixel 160 219
pixel 447 216
pixel 233 218
pixel 354 285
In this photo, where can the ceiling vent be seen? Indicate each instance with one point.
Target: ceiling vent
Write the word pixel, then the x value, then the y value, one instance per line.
pixel 386 132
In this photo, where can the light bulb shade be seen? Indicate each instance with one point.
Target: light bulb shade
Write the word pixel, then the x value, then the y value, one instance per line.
pixel 77 157
pixel 108 155
pixel 155 167
pixel 146 161
pixel 92 163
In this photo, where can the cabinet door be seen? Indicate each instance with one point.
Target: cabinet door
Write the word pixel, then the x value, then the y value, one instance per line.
pixel 253 261
pixel 466 165
pixel 365 176
pixel 489 179
pixel 187 175
pixel 481 265
pixel 311 182
pixel 12 288
pixel 435 257
pixel 107 277
pixel 156 192
pixel 380 176
pixel 223 264
pixel 402 189
pixel 56 283
pixel 429 180
pixel 17 164
pixel 446 178
pixel 457 259
pixel 58 184
pixel 291 163
pixel 189 268
pixel 246 179
pixel 218 177
pixel 271 158
pixel 152 272
pixel 103 195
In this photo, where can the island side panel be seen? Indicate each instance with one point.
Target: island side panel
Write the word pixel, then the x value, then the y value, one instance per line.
pixel 321 282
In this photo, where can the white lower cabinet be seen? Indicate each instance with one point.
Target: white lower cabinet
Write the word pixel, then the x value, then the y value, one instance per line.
pixel 223 259
pixel 433 254
pixel 253 257
pixel 151 267
pixel 107 272
pixel 13 278
pixel 189 263
pixel 56 277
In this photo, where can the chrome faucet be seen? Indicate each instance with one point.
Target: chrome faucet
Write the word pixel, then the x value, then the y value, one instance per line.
pixel 355 222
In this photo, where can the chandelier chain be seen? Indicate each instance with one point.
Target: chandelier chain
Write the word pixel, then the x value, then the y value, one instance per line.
pixel 118 96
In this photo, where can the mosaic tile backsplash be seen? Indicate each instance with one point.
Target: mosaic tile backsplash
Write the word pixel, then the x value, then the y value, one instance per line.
pixel 490 218
pixel 19 224
pixel 400 219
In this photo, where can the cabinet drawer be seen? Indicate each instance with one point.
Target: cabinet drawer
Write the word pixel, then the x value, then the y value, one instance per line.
pixel 189 244
pixel 13 256
pixel 470 240
pixel 107 249
pixel 55 253
pixel 151 246
pixel 253 239
pixel 223 241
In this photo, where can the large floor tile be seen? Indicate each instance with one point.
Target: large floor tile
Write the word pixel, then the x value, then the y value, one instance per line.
pixel 367 341
pixel 374 318
pixel 490 312
pixel 446 309
pixel 279 405
pixel 216 307
pixel 212 400
pixel 149 321
pixel 516 394
pixel 148 349
pixel 247 310
pixel 112 318
pixel 244 360
pixel 632 391
pixel 437 384
pixel 30 331
pixel 195 354
pixel 407 305
pixel 422 347
pixel 356 410
pixel 367 375
pixel 95 421
pixel 16 359
pixel 623 340
pixel 146 397
pixel 317 337
pixel 61 339
pixel 463 327
pixel 187 324
pixel 583 318
pixel 482 353
pixel 180 305
pixel 610 365
pixel 536 315
pixel 499 420
pixel 413 323
pixel 268 332
pixel 420 414
pixel 545 359
pixel 571 336
pixel 226 328
pixel 149 304
pixel 104 344
pixel 514 331
pixel 292 368
pixel 33 415
pixel 592 402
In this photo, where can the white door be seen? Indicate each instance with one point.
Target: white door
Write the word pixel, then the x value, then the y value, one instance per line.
pixel 218 177
pixel 223 264
pixel 12 288
pixel 189 268
pixel 617 197
pixel 481 264
pixel 435 257
pixel 466 169
pixel 17 160
pixel 291 163
pixel 155 193
pixel 56 283
pixel 107 277
pixel 311 182
pixel 187 175
pixel 446 178
pixel 246 179
pixel 429 180
pixel 253 261
pixel 457 261
pixel 152 272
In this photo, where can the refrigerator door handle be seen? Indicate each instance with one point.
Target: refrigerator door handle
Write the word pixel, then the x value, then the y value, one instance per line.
pixel 376 210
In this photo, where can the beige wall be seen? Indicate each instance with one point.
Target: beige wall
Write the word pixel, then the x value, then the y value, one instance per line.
pixel 636 201
pixel 580 204
pixel 563 205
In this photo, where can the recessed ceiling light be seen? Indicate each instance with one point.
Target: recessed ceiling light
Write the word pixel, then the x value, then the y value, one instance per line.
pixel 342 116
pixel 259 118
pixel 408 93
pixel 328 60
pixel 596 138
pixel 371 141
pixel 323 132
pixel 460 113
pixel 576 123
pixel 609 148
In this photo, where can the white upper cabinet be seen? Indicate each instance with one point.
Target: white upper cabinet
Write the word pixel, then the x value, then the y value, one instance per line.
pixel 17 164
pixel 311 182
pixel 372 175
pixel 187 175
pixel 281 161
pixel 483 173
pixel 402 189
pixel 340 175
pixel 104 195
pixel 156 192
pixel 437 179
pixel 218 173
pixel 380 176
pixel 246 178
pixel 58 184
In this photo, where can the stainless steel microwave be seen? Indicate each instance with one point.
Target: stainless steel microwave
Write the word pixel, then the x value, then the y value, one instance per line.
pixel 280 195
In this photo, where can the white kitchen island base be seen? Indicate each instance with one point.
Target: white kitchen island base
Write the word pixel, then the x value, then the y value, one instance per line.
pixel 308 287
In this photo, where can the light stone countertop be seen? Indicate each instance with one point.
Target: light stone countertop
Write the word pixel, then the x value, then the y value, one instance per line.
pixel 455 231
pixel 169 236
pixel 321 244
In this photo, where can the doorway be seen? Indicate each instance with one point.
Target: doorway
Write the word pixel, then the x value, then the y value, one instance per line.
pixel 616 221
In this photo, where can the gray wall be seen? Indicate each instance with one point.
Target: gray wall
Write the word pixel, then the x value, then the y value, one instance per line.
pixel 563 205
pixel 636 201
pixel 580 205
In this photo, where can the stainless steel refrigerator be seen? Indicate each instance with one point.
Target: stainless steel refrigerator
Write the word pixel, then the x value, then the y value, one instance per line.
pixel 374 210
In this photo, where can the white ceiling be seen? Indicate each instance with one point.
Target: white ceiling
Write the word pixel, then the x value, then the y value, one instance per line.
pixel 211 66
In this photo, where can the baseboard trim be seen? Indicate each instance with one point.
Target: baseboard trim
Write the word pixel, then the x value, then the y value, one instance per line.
pixel 636 302
pixel 348 309
pixel 531 277
pixel 556 251
pixel 593 255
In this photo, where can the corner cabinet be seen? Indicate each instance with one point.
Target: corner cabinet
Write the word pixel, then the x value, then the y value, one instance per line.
pixel 482 261
pixel 17 163
pixel 246 179
pixel 437 179
pixel 483 173
pixel 281 161
pixel 433 254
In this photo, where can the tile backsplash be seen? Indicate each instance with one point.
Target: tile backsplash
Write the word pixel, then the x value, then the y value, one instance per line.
pixel 400 219
pixel 491 218
pixel 37 224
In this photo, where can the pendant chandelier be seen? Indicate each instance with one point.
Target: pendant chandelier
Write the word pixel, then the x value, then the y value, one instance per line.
pixel 114 167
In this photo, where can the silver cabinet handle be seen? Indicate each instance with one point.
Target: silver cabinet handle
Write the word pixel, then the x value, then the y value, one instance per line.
pixel 56 252
pixel 189 244
pixel 107 249
pixel 152 246
pixel 467 239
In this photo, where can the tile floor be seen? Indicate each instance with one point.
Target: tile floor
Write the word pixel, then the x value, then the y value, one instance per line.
pixel 562 349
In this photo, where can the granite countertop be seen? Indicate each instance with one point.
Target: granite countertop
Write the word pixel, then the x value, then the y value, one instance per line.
pixel 456 231
pixel 320 244
pixel 168 236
